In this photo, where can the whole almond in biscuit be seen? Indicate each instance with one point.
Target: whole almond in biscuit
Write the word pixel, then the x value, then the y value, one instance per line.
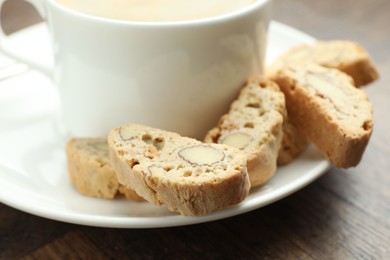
pixel 254 125
pixel 335 115
pixel 184 174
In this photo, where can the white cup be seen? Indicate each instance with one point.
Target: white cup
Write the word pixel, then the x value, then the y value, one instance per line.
pixel 179 76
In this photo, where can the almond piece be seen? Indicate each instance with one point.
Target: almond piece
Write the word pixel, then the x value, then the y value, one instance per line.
pixel 201 155
pixel 238 140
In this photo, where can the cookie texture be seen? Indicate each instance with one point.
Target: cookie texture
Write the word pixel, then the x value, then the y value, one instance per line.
pixel 184 174
pixel 294 142
pixel 90 169
pixel 254 125
pixel 347 56
pixel 334 114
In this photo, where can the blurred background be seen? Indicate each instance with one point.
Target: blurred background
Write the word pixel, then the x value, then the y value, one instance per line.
pixel 345 214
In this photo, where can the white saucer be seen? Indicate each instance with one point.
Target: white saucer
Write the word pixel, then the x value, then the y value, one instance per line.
pixel 33 175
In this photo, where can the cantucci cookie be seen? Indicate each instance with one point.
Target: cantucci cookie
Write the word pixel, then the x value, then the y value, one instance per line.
pixel 188 176
pixel 254 125
pixel 335 115
pixel 90 169
pixel 347 56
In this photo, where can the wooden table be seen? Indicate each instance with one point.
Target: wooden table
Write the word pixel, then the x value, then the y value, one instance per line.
pixel 343 215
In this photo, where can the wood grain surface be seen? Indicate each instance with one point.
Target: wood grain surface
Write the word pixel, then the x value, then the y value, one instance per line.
pixel 343 215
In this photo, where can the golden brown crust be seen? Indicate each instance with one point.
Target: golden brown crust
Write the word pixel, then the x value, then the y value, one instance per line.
pixel 347 56
pixel 336 116
pixel 90 169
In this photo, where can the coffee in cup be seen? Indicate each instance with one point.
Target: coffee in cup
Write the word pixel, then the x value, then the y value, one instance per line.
pixel 155 10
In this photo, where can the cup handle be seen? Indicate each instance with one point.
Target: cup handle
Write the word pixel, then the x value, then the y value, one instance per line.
pixel 7 48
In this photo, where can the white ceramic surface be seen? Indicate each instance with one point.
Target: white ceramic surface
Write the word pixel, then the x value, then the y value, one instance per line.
pixel 162 74
pixel 33 176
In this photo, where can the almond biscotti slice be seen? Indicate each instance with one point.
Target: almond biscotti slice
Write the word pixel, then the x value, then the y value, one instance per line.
pixel 347 56
pixel 188 176
pixel 90 169
pixel 335 115
pixel 254 125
